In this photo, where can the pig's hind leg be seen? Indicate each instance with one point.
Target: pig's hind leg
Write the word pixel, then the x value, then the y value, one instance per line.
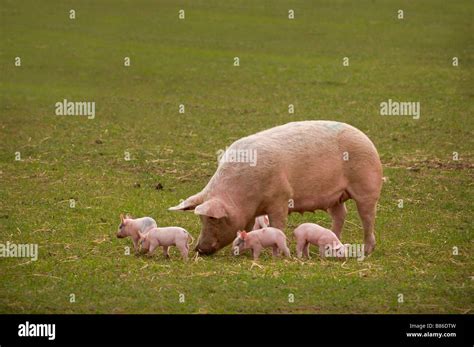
pixel 367 212
pixel 251 224
pixel 286 251
pixel 276 251
pixel 183 248
pixel 365 190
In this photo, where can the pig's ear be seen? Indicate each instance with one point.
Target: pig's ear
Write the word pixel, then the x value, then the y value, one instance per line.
pixel 238 234
pixel 121 217
pixel 243 235
pixel 189 204
pixel 212 208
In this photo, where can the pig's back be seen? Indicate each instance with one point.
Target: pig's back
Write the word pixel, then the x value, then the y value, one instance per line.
pixel 301 138
pixel 312 232
pixel 297 147
pixel 309 228
pixel 315 163
pixel 171 230
pixel 268 235
pixel 146 223
pixel 169 236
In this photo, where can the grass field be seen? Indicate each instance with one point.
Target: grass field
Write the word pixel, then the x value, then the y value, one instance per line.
pixel 190 62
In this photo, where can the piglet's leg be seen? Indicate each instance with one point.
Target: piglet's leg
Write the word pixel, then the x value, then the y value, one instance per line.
pixel 306 250
pixel 281 244
pixel 184 251
pixel 153 246
pixel 165 252
pixel 135 244
pixel 299 248
pixel 256 252
pixel 276 252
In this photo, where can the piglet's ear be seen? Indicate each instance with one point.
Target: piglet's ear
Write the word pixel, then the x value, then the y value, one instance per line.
pixel 211 208
pixel 238 233
pixel 121 217
pixel 243 235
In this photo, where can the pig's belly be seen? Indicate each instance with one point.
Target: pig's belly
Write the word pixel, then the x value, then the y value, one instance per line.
pixel 167 241
pixel 268 243
pixel 311 200
pixel 316 185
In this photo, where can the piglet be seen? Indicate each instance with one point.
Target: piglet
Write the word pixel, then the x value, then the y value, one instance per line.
pixel 165 237
pixel 258 239
pixel 310 233
pixel 131 227
pixel 261 222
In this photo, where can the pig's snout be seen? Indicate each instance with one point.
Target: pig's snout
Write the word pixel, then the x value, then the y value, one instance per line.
pixel 207 244
pixel 205 250
pixel 120 235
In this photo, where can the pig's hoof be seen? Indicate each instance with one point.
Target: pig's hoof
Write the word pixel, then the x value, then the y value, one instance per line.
pixel 369 248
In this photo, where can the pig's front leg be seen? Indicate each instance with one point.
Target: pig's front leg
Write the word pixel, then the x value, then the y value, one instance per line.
pixel 165 251
pixel 366 209
pixel 278 215
pixel 184 251
pixel 251 225
pixel 338 214
pixel 153 245
pixel 306 250
pixel 256 251
pixel 135 244
pixel 300 244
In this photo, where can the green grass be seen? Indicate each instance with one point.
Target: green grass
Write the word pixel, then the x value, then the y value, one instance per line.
pixel 190 62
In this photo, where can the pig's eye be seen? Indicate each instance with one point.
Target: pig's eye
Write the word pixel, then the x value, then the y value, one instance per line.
pixel 121 226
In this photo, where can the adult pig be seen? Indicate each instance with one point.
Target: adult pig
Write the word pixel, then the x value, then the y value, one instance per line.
pixel 297 167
